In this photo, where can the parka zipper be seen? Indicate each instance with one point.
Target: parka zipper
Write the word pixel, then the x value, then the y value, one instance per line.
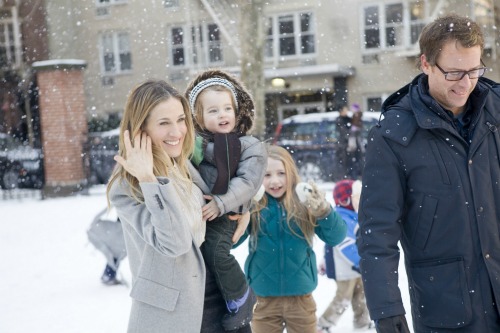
pixel 282 247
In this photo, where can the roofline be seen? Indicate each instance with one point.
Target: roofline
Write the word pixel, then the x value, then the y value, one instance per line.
pixel 335 70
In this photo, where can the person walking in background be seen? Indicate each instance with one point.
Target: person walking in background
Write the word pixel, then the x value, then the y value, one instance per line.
pixel 158 197
pixel 106 234
pixel 355 146
pixel 342 263
pixel 233 165
pixel 281 265
pixel 432 182
pixel 343 129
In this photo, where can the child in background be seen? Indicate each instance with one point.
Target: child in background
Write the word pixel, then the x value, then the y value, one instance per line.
pixel 342 263
pixel 281 265
pixel 106 234
pixel 232 163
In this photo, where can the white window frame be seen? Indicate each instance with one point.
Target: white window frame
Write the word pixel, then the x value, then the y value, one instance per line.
pixel 273 36
pixel 117 49
pixel 197 45
pixel 104 3
pixel 403 28
pixel 11 39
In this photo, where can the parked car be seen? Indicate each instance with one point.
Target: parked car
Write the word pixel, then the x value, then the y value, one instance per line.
pixel 21 166
pixel 103 146
pixel 312 141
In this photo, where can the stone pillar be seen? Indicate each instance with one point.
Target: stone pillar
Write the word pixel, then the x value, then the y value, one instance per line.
pixel 63 124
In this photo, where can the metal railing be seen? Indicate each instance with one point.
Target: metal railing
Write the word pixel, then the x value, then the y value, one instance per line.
pixel 19 194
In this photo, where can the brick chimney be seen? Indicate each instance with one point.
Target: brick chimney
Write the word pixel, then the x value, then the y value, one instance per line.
pixel 63 124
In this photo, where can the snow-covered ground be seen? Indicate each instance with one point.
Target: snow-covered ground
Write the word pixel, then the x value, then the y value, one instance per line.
pixel 50 281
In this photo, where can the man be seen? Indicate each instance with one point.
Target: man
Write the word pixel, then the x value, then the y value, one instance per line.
pixel 432 182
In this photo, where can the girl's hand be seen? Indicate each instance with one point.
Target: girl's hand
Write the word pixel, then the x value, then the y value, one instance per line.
pixel 210 211
pixel 322 268
pixel 138 159
pixel 243 221
pixel 314 199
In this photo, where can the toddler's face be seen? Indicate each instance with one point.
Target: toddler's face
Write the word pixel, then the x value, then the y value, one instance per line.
pixel 275 178
pixel 218 111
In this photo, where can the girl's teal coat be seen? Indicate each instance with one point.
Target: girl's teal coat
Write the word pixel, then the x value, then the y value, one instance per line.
pixel 282 264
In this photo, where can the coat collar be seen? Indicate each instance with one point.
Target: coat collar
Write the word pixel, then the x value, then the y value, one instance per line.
pixel 197 180
pixel 414 101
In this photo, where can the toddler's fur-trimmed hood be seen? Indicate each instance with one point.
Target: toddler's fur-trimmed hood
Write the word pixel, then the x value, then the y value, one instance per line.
pixel 245 113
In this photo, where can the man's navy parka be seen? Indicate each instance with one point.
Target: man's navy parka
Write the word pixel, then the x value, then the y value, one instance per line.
pixel 435 189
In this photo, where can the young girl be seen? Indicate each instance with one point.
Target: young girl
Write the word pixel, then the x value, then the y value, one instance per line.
pixel 281 265
pixel 233 165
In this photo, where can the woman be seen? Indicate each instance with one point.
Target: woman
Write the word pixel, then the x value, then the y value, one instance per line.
pixel 158 197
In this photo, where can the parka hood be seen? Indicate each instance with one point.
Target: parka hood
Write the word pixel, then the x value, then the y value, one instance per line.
pixel 414 101
pixel 418 82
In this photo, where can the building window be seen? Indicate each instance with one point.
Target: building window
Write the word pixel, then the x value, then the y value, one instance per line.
pixel 178 47
pixel 484 15
pixel 374 103
pixel 396 25
pixel 394 29
pixel 417 20
pixel 269 45
pixel 372 35
pixel 286 35
pixel 196 45
pixel 171 4
pixel 116 57
pixel 307 36
pixel 290 35
pixel 10 39
pixel 214 44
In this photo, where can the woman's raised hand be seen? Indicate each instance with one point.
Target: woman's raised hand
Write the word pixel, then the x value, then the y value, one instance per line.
pixel 138 159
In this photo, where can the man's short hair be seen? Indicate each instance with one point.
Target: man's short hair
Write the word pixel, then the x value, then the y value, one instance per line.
pixel 451 27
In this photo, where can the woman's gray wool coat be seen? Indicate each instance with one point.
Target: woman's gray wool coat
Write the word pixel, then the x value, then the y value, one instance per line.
pixel 167 267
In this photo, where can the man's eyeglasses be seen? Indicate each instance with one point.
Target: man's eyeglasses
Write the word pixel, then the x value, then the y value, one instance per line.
pixel 459 75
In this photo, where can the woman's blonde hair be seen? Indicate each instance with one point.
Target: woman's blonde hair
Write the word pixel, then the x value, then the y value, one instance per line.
pixel 140 103
pixel 296 212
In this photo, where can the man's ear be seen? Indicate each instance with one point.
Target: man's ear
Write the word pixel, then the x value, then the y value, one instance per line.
pixel 424 64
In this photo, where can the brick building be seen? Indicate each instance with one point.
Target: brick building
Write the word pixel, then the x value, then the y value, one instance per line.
pixel 317 54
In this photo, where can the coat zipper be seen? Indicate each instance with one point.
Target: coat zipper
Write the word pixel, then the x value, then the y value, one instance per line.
pixel 282 247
